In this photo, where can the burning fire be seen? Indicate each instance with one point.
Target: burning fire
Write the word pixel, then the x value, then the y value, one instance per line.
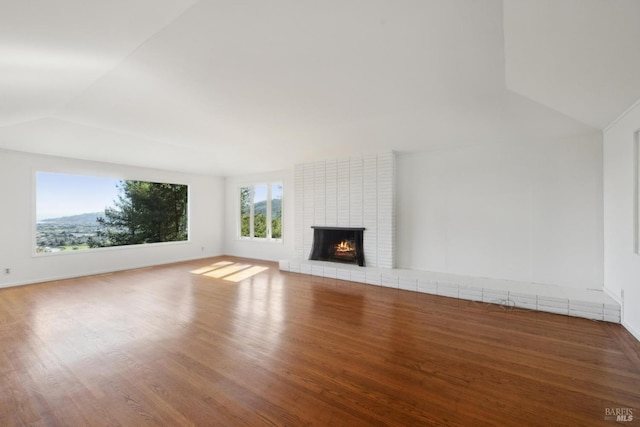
pixel 344 246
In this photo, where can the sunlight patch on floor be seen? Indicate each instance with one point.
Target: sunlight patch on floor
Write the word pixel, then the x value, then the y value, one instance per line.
pixel 211 267
pixel 245 274
pixel 225 271
pixel 229 271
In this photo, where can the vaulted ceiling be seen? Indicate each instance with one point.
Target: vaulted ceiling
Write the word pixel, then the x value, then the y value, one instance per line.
pixel 228 87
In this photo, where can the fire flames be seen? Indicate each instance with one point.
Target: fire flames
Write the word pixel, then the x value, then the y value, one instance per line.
pixel 344 247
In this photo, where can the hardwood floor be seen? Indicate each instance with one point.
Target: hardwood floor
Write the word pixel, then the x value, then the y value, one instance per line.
pixel 208 343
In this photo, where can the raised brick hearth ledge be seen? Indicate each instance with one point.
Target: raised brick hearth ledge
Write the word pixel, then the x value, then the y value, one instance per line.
pixel 588 303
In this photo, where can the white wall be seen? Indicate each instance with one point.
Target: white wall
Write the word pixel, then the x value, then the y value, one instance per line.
pixel 528 213
pixel 621 264
pixel 17 216
pixel 258 249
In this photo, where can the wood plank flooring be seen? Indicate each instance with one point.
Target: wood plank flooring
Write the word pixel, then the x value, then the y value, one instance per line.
pixel 235 342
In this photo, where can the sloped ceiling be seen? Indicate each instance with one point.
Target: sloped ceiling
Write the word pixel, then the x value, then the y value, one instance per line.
pixel 579 57
pixel 228 87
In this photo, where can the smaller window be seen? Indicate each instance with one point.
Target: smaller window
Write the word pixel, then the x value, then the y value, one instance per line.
pixel 261 211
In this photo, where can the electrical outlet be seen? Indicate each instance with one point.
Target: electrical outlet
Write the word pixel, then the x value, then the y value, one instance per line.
pixel 7 271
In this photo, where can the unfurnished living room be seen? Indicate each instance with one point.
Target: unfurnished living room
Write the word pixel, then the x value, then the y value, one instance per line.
pixel 248 213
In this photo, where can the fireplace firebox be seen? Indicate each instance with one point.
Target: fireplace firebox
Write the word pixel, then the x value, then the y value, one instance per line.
pixel 338 244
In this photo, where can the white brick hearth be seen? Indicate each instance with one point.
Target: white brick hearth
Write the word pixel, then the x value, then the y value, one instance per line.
pixel 590 304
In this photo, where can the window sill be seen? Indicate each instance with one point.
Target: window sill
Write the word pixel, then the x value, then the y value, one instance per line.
pixel 258 240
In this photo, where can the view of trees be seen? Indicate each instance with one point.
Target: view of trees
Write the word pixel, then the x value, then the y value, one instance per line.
pixel 145 212
pixel 245 212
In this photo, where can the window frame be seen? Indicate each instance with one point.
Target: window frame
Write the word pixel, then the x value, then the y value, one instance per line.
pixel 97 174
pixel 269 219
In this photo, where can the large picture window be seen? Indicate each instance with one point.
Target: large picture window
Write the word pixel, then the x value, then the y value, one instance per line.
pixel 76 212
pixel 261 211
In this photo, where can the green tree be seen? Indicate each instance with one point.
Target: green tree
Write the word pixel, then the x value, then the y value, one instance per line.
pixel 145 212
pixel 245 211
pixel 276 228
pixel 260 225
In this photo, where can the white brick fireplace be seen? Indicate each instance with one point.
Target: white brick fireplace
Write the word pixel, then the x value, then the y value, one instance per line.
pixel 353 192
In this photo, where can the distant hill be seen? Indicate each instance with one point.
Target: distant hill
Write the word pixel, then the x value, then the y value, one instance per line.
pixel 82 219
pixel 261 208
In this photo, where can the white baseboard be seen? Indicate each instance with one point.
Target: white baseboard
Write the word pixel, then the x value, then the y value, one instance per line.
pixel 97 272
